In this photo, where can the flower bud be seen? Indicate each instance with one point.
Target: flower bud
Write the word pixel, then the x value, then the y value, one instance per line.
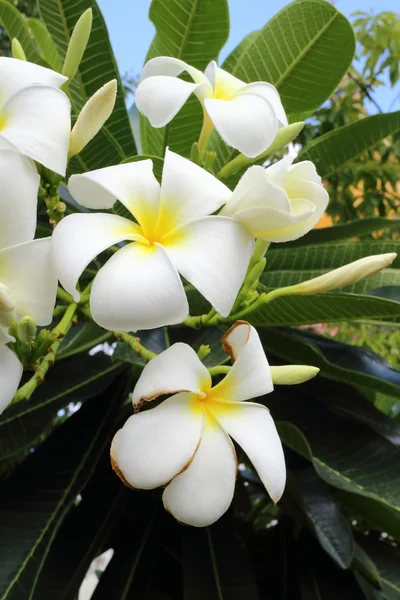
pixel 77 44
pixel 292 374
pixel 7 307
pixel 347 275
pixel 27 330
pixel 17 50
pixel 93 116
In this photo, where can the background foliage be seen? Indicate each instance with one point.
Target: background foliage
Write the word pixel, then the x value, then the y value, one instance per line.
pixel 336 531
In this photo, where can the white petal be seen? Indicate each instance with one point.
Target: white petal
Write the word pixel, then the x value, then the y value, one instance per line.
pixel 10 376
pixel 133 184
pixel 19 184
pixel 277 173
pixel 203 493
pixel 177 369
pixel 275 226
pixel 255 190
pixel 225 85
pixel 138 288
pixel 188 192
pixel 38 124
pixel 247 122
pixel 160 98
pixel 304 171
pixel 250 375
pixel 28 272
pixel 155 445
pixel 17 74
pixel 253 428
pixel 213 254
pixel 309 195
pixel 78 239
pixel 170 67
pixel 270 93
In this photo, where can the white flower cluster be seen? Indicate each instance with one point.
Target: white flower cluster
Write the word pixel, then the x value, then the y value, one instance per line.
pixel 190 225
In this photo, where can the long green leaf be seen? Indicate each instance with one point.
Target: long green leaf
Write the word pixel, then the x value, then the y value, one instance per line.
pixel 47 47
pixel 345 231
pixel 83 535
pixel 98 66
pixel 331 151
pixel 377 515
pixel 22 425
pixel 193 31
pixel 326 256
pixel 38 496
pixel 15 25
pixel 387 559
pixel 304 51
pixel 337 361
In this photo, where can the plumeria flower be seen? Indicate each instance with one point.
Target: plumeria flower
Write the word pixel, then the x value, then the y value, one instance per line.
pixel 139 287
pixel 247 116
pixel 279 203
pixel 10 372
pixel 28 283
pixel 34 113
pixel 185 442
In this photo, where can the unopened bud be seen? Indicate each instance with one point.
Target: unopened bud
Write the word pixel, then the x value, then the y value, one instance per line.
pixel 92 117
pixel 339 278
pixel 203 351
pixel 27 330
pixel 17 50
pixel 77 44
pixel 7 307
pixel 292 374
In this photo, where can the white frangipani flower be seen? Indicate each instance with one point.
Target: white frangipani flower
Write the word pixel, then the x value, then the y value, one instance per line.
pixel 34 113
pixel 28 283
pixel 279 203
pixel 185 442
pixel 247 116
pixel 10 372
pixel 139 287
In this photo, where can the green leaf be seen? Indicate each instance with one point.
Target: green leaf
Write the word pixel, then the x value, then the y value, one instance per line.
pixel 215 565
pixel 46 45
pixel 326 256
pixel 363 463
pixel 304 51
pixel 23 424
pixel 134 540
pixel 360 227
pixel 377 515
pixel 337 361
pixel 332 150
pixel 82 338
pixel 15 25
pixel 387 558
pixel 339 306
pixel 83 534
pixel 115 141
pixel 364 565
pixel 38 496
pixel 193 31
pixel 331 528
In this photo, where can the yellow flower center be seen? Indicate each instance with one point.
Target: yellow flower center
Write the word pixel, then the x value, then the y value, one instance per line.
pixel 3 121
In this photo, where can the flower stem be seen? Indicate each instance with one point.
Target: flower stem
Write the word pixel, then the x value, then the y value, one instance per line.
pixel 59 332
pixel 219 370
pixel 135 345
pixel 64 296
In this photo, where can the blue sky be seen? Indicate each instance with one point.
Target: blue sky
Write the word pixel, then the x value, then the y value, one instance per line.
pixel 131 31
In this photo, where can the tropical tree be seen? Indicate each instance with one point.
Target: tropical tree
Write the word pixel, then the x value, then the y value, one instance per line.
pixel 223 249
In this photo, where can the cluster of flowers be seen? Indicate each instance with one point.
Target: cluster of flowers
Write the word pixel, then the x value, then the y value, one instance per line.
pixel 174 231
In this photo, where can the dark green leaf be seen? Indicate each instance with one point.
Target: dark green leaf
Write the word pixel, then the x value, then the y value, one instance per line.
pixel 16 27
pixel 38 496
pixel 82 338
pixel 336 360
pixel 378 516
pixel 360 227
pixel 386 556
pixel 23 424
